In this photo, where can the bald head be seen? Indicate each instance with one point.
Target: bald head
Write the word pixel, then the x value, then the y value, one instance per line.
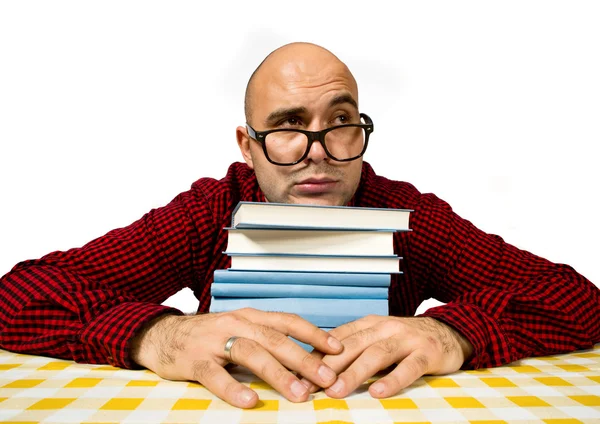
pixel 293 63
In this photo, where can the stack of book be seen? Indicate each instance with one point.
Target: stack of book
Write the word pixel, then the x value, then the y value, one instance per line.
pixel 330 265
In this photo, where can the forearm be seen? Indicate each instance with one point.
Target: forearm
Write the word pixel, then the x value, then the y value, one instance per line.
pixel 554 315
pixel 148 348
pixel 450 333
pixel 87 303
pixel 509 303
pixel 448 338
pixel 41 313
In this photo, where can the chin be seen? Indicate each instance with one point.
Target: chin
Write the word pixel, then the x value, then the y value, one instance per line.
pixel 327 200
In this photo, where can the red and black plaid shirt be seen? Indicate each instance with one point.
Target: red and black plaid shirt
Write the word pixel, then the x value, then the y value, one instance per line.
pixel 86 304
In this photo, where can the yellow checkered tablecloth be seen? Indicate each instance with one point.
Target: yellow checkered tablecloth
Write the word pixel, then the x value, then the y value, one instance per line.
pixel 555 389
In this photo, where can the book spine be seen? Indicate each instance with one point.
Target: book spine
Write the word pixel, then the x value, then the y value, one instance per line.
pixel 312 256
pixel 317 263
pixel 314 242
pixel 228 276
pixel 297 290
pixel 320 312
pixel 320 215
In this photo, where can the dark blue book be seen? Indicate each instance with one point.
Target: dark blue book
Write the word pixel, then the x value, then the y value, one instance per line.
pixel 320 312
pixel 310 278
pixel 297 290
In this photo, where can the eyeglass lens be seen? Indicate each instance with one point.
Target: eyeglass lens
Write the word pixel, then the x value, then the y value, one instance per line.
pixel 289 146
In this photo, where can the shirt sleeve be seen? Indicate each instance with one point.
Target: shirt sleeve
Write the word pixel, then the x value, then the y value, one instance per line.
pixel 87 303
pixel 509 303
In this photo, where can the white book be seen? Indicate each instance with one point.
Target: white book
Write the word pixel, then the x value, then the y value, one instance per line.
pixel 259 214
pixel 322 263
pixel 316 242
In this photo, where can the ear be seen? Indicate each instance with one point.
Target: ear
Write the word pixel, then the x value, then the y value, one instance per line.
pixel 243 141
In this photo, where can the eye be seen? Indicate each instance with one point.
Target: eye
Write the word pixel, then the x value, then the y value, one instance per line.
pixel 342 119
pixel 291 121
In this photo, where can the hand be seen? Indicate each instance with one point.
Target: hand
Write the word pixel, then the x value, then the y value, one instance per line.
pixel 419 345
pixel 192 348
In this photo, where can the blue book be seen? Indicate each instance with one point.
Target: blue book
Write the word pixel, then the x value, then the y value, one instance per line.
pixel 313 278
pixel 297 290
pixel 320 312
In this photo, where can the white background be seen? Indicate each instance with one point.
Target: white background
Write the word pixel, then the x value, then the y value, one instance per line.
pixel 109 109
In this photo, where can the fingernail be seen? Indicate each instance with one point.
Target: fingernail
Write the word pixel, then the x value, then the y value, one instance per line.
pixel 312 388
pixel 306 383
pixel 337 386
pixel 298 389
pixel 246 396
pixel 378 388
pixel 326 373
pixel 334 343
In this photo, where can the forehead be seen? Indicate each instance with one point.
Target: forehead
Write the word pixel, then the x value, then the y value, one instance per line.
pixel 308 84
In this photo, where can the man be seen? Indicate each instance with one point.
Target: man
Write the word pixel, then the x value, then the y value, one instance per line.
pixel 101 303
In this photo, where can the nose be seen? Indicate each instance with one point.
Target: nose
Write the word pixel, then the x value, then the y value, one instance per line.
pixel 316 153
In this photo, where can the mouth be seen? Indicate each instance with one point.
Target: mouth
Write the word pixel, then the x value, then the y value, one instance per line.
pixel 316 185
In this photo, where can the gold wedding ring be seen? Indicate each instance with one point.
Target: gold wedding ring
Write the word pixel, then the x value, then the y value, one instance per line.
pixel 228 347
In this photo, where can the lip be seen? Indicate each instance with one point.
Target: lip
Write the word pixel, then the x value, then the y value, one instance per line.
pixel 316 185
pixel 313 180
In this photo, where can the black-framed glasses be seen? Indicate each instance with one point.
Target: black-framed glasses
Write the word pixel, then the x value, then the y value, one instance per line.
pixel 341 143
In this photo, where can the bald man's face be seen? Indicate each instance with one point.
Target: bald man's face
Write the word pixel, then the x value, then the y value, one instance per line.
pixel 303 94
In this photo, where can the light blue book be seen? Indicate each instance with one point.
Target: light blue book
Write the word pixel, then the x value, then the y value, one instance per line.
pixel 320 312
pixel 297 290
pixel 363 279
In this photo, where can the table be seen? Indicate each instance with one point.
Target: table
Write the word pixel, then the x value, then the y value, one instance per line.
pixel 554 389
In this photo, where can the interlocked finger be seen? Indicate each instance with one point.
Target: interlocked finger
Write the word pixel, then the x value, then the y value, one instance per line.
pixel 295 326
pixel 256 358
pixel 373 359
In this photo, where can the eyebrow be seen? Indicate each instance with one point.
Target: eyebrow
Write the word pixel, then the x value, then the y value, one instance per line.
pixel 279 114
pixel 282 113
pixel 343 98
